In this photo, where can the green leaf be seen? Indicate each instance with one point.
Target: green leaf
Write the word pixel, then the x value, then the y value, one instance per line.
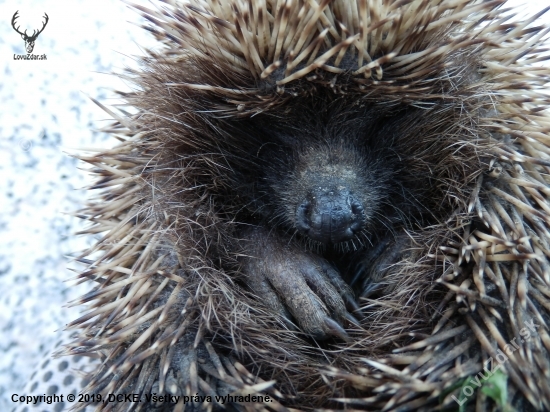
pixel 496 388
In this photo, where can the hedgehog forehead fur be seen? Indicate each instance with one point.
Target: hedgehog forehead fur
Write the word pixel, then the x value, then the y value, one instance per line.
pixel 411 135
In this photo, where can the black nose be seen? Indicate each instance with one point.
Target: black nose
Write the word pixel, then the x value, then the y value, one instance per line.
pixel 330 216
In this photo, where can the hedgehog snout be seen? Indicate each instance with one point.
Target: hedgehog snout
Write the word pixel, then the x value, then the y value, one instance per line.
pixel 330 216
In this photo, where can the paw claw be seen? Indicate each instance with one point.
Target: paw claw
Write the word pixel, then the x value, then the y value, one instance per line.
pixel 352 319
pixel 335 329
pixel 371 289
pixel 351 304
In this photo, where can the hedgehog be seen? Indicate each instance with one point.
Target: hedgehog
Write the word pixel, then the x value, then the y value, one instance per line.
pixel 323 204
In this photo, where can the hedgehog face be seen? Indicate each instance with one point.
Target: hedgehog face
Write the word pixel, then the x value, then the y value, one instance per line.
pixel 333 196
pixel 331 177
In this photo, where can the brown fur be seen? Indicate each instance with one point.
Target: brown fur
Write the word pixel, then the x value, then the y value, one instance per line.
pixel 456 97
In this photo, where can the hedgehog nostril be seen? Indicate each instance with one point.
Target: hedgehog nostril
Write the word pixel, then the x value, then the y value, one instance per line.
pixel 358 219
pixel 357 208
pixel 303 223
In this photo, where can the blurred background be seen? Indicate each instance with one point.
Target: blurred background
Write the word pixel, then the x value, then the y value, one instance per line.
pixel 45 113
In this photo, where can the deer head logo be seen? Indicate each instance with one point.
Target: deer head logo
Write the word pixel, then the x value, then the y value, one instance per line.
pixel 29 40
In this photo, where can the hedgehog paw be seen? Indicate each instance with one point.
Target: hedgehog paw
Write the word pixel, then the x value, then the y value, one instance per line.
pixel 369 272
pixel 296 283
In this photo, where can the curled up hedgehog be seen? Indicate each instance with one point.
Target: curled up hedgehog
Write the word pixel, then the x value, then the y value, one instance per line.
pixel 325 204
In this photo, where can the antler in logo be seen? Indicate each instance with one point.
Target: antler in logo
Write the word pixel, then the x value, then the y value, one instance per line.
pixel 29 40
